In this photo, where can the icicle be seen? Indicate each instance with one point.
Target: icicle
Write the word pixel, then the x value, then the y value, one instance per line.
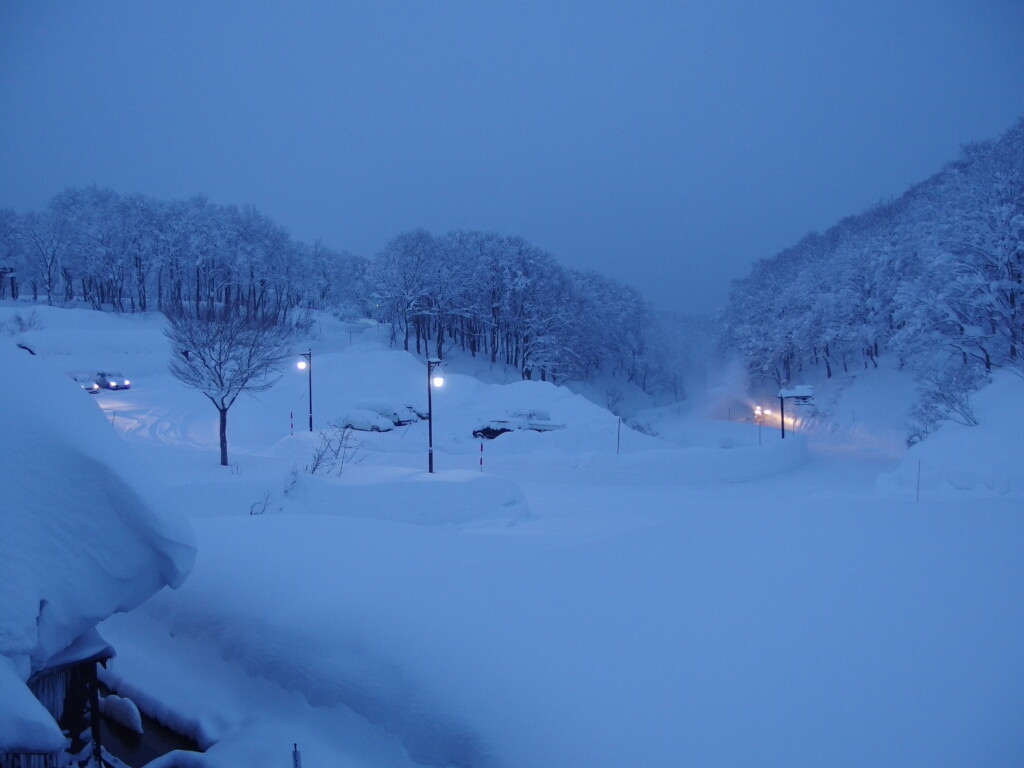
pixel 50 689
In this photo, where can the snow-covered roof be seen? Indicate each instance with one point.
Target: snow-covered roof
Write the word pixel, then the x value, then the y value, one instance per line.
pixel 89 646
pixel 799 390
pixel 79 540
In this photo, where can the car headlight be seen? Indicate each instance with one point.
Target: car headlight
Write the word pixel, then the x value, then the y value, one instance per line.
pixel 127 383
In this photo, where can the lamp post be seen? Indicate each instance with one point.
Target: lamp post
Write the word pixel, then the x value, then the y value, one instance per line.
pixel 432 381
pixel 306 364
pixel 802 394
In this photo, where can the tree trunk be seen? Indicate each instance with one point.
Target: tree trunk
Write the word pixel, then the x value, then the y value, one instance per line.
pixel 223 435
pixel 69 285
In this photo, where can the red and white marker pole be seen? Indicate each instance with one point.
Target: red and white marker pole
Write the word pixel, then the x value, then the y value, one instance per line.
pixel 481 455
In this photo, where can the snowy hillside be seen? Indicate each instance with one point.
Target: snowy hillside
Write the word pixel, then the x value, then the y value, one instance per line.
pixel 710 596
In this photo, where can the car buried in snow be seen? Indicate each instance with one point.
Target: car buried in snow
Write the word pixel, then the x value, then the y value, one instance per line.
pixel 421 413
pixel 493 428
pixel 365 420
pixel 535 420
pixel 398 415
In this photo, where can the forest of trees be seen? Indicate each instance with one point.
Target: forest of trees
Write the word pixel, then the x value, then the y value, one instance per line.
pixel 134 254
pixel 935 277
pixel 494 296
pixel 506 299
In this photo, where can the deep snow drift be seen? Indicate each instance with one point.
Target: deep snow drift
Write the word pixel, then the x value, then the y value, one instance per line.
pixel 712 597
pixel 79 541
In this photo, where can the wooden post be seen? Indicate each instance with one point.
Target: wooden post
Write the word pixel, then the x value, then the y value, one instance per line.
pixel 94 712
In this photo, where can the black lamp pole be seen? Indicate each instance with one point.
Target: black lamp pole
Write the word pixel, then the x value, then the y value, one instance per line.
pixel 309 370
pixel 431 364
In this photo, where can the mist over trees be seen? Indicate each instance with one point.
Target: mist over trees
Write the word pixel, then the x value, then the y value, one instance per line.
pixel 496 297
pixel 935 277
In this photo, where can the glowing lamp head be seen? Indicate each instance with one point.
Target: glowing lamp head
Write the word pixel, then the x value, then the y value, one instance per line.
pixel 302 365
pixel 437 381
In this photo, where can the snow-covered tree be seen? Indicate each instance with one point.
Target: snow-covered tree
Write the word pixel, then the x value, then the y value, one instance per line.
pixel 46 236
pixel 939 271
pixel 223 352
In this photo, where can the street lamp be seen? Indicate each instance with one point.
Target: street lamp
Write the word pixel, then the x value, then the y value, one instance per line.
pixel 306 364
pixel 432 381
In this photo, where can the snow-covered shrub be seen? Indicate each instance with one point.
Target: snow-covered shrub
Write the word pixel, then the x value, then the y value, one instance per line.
pixel 643 427
pixel 20 323
pixel 335 450
pixel 944 394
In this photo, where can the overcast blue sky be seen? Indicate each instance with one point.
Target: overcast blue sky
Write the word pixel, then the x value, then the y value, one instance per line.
pixel 666 144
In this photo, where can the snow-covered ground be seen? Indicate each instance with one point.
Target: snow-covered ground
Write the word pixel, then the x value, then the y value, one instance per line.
pixel 711 596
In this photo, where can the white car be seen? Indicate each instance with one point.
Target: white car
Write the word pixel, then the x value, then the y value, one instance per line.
pixel 111 380
pixel 366 420
pixel 86 381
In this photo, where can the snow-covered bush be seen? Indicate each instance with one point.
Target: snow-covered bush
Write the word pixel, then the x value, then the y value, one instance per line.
pixel 20 323
pixel 336 449
pixel 944 394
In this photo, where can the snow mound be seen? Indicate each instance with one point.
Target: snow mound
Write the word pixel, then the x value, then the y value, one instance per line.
pixel 452 497
pixel 87 340
pixel 982 460
pixel 25 725
pixel 122 711
pixel 296 639
pixel 79 542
